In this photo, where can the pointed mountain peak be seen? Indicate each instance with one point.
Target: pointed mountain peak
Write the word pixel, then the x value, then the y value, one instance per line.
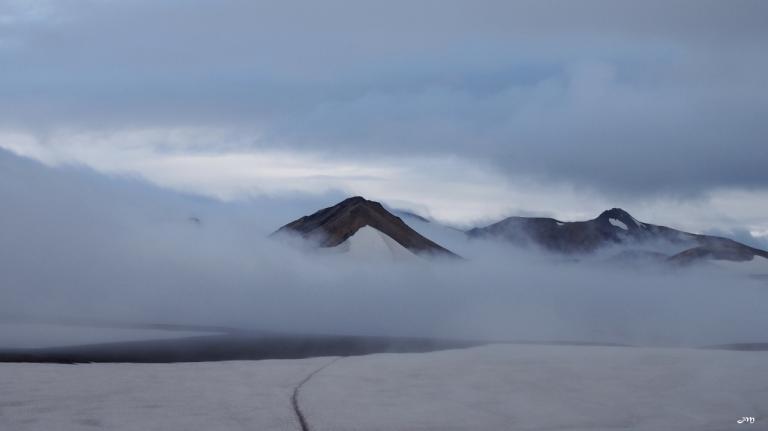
pixel 357 201
pixel 333 225
pixel 354 200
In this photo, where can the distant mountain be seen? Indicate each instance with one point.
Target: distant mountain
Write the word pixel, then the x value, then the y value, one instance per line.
pixel 334 226
pixel 364 227
pixel 615 227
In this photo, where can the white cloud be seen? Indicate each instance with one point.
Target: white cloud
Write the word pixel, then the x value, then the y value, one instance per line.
pixel 219 163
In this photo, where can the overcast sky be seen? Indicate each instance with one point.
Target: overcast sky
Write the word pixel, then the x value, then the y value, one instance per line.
pixel 464 111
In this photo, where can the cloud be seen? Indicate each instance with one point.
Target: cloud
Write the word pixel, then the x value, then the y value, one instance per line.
pixel 624 98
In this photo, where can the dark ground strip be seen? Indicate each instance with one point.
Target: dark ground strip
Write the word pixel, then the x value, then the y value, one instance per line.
pixel 93 323
pixel 230 347
pixel 258 345
pixel 295 396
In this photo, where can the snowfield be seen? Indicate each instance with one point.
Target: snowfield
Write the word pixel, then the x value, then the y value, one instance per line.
pixel 237 395
pixel 497 387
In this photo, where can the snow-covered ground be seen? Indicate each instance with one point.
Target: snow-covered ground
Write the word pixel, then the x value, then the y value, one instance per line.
pixel 33 335
pixel 218 396
pixel 542 388
pixel 498 387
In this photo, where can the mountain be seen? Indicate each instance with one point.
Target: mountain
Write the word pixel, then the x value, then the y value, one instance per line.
pixel 334 226
pixel 366 228
pixel 616 227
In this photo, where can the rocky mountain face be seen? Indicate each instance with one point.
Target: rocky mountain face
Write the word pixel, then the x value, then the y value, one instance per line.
pixel 332 226
pixel 337 225
pixel 615 227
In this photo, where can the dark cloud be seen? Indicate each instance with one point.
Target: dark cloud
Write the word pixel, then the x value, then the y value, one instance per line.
pixel 626 97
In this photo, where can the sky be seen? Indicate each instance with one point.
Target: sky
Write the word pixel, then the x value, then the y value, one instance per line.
pixel 462 111
pixel 147 115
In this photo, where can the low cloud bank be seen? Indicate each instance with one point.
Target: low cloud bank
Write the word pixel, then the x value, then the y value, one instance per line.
pixel 78 245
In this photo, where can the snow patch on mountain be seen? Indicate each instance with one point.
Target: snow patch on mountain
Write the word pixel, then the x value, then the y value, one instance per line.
pixel 618 223
pixel 368 243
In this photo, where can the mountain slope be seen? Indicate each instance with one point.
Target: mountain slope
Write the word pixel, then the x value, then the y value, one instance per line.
pixel 332 226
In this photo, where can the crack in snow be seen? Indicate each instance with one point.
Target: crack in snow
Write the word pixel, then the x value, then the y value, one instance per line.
pixel 295 396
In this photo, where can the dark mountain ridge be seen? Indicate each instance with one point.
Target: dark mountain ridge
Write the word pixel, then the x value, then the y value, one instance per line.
pixel 612 227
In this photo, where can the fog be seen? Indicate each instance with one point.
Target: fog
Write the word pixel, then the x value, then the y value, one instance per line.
pixel 77 245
